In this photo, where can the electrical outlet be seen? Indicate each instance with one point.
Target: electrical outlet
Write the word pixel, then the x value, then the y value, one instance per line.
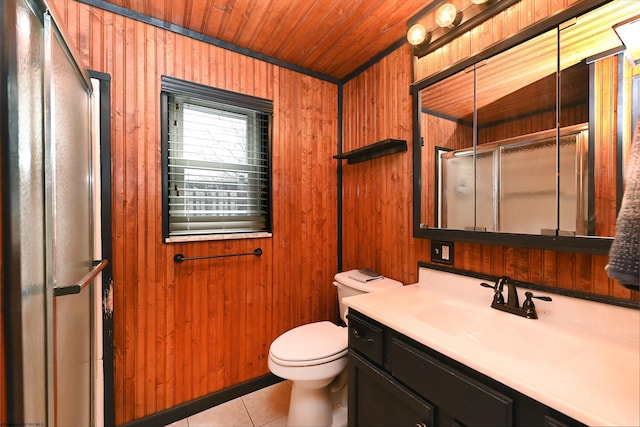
pixel 442 252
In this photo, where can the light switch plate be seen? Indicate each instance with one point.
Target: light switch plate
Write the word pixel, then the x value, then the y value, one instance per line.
pixel 442 252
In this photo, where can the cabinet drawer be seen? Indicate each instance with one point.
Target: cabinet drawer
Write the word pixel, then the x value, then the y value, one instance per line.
pixel 473 403
pixel 366 338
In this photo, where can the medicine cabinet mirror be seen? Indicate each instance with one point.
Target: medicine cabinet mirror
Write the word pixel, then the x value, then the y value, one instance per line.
pixel 524 145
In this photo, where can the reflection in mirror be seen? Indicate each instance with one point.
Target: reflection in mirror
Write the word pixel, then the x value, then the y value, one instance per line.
pixel 507 198
pixel 508 123
pixel 526 147
pixel 449 126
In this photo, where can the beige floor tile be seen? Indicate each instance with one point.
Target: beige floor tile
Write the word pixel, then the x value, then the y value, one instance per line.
pixel 280 422
pixel 181 423
pixel 228 414
pixel 268 404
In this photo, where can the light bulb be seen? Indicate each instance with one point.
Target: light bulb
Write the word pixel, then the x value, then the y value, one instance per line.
pixel 446 15
pixel 416 34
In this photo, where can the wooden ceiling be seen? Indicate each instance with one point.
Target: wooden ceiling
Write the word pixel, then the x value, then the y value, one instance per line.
pixel 330 37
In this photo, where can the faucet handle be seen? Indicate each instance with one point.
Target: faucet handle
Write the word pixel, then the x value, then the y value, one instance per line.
pixel 497 297
pixel 530 295
pixel 528 306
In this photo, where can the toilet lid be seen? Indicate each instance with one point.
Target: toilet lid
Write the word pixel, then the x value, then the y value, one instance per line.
pixel 373 286
pixel 309 342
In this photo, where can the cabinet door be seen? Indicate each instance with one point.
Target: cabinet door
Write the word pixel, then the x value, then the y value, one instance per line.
pixel 376 400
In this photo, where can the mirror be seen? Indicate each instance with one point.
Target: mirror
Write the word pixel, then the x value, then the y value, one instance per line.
pixel 525 146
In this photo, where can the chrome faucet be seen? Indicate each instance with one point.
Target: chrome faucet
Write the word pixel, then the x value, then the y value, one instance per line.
pixel 512 305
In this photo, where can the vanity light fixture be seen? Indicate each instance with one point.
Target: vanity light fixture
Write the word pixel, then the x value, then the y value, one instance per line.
pixel 451 22
pixel 447 16
pixel 418 35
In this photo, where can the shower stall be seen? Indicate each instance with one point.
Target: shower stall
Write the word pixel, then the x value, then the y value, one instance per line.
pixel 511 185
pixel 51 243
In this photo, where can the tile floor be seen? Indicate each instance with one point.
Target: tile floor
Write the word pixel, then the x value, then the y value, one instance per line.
pixel 266 407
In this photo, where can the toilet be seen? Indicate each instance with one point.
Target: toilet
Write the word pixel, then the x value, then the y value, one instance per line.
pixel 314 357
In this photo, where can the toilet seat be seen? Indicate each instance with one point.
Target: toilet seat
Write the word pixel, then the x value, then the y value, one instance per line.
pixel 311 344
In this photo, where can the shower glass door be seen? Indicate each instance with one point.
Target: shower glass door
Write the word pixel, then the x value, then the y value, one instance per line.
pixel 69 234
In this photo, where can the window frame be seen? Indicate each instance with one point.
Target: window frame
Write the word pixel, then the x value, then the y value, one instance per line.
pixel 171 86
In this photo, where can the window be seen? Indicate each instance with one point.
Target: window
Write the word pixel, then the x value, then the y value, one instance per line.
pixel 215 160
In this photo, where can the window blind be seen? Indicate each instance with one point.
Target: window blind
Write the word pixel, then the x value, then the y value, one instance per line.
pixel 217 157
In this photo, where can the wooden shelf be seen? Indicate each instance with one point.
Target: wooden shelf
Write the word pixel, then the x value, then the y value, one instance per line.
pixel 373 151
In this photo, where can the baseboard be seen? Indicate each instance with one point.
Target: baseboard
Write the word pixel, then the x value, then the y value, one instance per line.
pixel 193 407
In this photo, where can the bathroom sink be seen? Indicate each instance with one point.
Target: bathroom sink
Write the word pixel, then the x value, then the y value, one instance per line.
pixel 578 357
pixel 496 331
pixel 453 317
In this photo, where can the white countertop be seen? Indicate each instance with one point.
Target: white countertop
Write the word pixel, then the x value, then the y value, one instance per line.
pixel 580 357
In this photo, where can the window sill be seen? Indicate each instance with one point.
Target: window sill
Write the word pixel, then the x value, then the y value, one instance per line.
pixel 209 237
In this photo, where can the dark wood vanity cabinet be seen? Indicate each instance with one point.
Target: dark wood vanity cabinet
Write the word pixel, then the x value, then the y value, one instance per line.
pixel 396 381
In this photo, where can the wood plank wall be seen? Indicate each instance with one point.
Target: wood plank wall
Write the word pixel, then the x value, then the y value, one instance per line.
pixel 376 210
pixel 606 109
pixel 377 194
pixel 183 331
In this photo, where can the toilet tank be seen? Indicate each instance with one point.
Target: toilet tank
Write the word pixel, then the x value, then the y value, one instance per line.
pixel 348 286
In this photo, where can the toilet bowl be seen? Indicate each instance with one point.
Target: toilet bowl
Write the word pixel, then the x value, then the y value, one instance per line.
pixel 311 356
pixel 314 358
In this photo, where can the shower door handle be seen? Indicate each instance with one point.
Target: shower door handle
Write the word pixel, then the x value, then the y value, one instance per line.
pixel 77 287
